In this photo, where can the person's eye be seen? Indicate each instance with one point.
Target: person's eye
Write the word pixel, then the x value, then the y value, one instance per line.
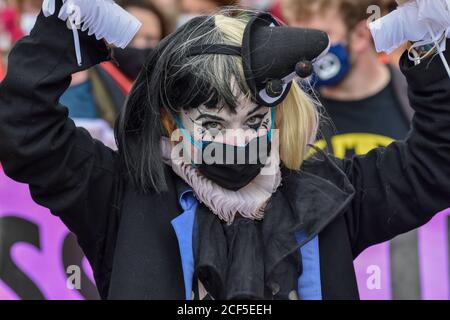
pixel 255 121
pixel 212 125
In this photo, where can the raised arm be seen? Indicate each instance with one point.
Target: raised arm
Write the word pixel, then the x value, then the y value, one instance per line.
pixel 68 172
pixel 401 187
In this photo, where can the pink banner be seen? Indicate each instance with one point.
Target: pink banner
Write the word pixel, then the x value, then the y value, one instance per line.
pixel 37 250
pixel 433 254
pixel 372 263
pixel 32 241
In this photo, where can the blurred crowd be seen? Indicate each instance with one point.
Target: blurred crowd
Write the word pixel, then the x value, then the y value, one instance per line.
pixel 99 93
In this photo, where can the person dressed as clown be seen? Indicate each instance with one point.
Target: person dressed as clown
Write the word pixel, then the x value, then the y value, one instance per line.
pixel 215 191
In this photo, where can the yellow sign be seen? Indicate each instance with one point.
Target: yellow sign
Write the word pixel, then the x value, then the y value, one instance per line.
pixel 358 143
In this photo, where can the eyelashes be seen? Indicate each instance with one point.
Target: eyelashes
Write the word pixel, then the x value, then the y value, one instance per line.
pixel 256 126
pixel 211 127
pixel 260 124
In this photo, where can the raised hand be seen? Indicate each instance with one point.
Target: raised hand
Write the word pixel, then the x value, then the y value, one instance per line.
pixel 102 18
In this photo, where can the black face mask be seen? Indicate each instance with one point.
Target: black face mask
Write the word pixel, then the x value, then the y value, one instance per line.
pixel 131 60
pixel 243 165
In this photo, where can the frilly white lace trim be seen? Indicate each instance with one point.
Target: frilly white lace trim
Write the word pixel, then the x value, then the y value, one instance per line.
pixel 249 202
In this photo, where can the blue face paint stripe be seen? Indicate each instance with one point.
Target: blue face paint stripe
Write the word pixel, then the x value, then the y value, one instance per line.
pixel 273 123
pixel 185 133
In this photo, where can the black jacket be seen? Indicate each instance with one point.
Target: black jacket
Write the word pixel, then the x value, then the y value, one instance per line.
pixel 128 237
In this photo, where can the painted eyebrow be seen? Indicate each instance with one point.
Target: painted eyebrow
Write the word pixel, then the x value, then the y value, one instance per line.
pixel 262 115
pixel 254 110
pixel 217 118
pixel 209 116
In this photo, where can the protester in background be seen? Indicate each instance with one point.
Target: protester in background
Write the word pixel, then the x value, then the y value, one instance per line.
pixel 170 9
pixel 258 4
pixel 205 6
pixel 362 96
pixel 29 10
pixel 192 8
pixel 5 42
pixel 153 29
pixel 365 99
pixel 101 91
pixel 9 24
pixel 275 9
pixel 10 32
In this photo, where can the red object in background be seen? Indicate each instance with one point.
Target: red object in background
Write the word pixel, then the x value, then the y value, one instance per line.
pixel 2 73
pixel 9 17
pixel 275 10
pixel 122 81
pixel 384 58
pixel 9 23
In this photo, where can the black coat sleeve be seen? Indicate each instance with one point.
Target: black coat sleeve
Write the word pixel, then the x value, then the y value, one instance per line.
pixel 67 171
pixel 401 187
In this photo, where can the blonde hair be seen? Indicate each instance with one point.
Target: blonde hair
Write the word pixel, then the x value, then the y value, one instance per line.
pixel 296 118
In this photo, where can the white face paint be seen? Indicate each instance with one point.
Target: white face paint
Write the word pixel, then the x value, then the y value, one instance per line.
pixel 221 125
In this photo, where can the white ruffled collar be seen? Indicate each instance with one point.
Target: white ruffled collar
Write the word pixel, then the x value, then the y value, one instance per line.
pixel 249 201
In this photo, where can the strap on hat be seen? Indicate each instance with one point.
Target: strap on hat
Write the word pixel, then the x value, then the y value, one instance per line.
pixel 214 49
